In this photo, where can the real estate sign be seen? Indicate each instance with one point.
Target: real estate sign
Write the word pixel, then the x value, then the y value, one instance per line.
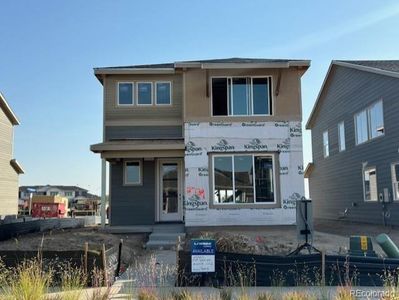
pixel 203 256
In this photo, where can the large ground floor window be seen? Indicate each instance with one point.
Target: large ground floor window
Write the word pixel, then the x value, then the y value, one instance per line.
pixel 243 178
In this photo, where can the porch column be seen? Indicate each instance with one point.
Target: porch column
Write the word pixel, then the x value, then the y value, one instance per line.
pixel 103 190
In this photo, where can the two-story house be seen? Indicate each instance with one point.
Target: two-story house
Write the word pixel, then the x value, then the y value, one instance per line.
pixel 9 167
pixel 67 191
pixel 205 143
pixel 355 143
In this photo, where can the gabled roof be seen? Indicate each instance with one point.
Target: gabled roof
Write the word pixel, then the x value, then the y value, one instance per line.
pixel 234 62
pixel 381 67
pixel 8 111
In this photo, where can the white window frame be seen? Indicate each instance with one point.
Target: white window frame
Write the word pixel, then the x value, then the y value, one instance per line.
pixel 137 93
pixel 70 194
pixel 140 182
pixel 253 155
pixel 230 93
pixel 133 93
pixel 170 93
pixel 326 153
pixel 394 182
pixel 364 183
pixel 368 120
pixel 341 147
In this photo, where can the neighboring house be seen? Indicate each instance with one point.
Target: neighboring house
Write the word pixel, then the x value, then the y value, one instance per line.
pixel 355 143
pixel 9 167
pixel 67 191
pixel 208 143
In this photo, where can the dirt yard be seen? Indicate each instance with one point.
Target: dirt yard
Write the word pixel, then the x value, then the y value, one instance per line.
pixel 330 236
pixel 74 239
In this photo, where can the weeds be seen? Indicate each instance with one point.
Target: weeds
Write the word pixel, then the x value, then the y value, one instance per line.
pixel 147 294
pixel 28 282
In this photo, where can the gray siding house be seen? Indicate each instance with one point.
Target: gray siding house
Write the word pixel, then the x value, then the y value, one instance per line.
pixel 355 143
pixel 9 167
pixel 203 143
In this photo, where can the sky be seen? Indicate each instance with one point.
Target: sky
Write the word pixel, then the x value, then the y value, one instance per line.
pixel 48 49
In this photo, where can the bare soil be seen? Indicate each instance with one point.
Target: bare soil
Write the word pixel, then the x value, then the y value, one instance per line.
pixel 329 236
pixel 74 239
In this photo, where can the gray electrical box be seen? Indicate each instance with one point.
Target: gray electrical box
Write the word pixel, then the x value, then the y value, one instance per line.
pixel 304 220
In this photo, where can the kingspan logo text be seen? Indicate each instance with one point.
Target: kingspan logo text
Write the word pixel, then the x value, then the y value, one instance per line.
pixel 192 148
pixel 255 144
pixel 222 145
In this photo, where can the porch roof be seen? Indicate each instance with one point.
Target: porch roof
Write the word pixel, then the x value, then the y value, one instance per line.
pixel 139 145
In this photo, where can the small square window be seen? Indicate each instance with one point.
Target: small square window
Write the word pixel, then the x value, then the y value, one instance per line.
pixel 125 93
pixel 163 93
pixel 132 173
pixel 144 93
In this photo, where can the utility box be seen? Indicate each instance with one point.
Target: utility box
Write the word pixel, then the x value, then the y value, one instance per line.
pixel 361 246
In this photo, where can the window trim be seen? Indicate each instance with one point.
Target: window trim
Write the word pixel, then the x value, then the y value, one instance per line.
pixel 364 169
pixel 70 194
pixel 229 92
pixel 137 93
pixel 339 137
pixel 125 182
pixel 325 154
pixel 133 94
pixel 276 181
pixel 170 94
pixel 393 164
pixel 368 118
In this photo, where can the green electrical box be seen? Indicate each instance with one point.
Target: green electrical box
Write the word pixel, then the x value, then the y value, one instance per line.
pixel 361 245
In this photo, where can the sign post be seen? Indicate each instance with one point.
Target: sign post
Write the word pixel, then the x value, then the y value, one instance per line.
pixel 203 256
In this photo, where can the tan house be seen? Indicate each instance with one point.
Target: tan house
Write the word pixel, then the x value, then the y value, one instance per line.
pixel 203 143
pixel 9 167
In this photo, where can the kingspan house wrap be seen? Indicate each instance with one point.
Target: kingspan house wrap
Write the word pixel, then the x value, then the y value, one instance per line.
pixel 204 143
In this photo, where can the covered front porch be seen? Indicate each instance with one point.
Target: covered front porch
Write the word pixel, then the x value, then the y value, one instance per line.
pixel 145 182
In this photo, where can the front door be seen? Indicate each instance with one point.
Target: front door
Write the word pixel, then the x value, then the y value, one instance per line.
pixel 170 190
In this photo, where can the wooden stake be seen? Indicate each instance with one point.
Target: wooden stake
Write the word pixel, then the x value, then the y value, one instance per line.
pixel 86 250
pixel 323 267
pixel 104 265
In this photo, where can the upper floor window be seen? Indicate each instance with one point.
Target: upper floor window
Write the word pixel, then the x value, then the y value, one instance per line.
pixel 144 93
pixel 341 136
pixel 141 93
pixel 53 193
pixel 125 93
pixel 68 194
pixel 326 148
pixel 241 96
pixel 369 123
pixel 163 93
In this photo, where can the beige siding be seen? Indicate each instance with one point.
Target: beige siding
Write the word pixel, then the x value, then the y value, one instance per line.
pixel 115 115
pixel 8 176
pixel 287 105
